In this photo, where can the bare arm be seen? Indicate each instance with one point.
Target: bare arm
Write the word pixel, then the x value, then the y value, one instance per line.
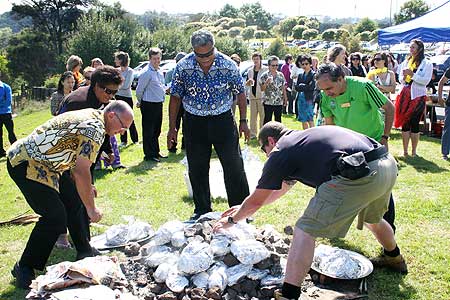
pixel 81 174
pixel 243 126
pixel 329 121
pixel 174 107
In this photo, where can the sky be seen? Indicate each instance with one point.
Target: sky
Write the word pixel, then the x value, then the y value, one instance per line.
pixel 378 9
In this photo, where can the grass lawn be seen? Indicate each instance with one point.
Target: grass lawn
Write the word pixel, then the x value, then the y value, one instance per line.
pixel 157 193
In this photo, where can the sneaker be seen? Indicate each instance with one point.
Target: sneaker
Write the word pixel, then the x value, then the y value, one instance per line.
pixel 445 157
pixel 23 275
pixel 122 145
pixel 396 264
pixel 91 253
pixel 119 166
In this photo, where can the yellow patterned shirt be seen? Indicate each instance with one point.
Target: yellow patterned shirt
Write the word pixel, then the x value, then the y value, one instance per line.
pixel 54 147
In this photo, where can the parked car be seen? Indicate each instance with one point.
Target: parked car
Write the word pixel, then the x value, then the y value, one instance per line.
pixel 442 63
pixel 165 66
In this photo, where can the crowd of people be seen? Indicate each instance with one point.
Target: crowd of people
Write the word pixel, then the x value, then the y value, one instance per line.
pixel 348 164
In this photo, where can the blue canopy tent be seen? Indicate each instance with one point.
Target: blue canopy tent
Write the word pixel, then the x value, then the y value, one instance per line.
pixel 434 26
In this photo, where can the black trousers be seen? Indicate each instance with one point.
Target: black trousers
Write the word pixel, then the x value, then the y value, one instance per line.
pixel 290 106
pixel 58 211
pixel 151 127
pixel 389 216
pixel 221 132
pixel 6 119
pixel 133 130
pixel 274 110
pixel 178 126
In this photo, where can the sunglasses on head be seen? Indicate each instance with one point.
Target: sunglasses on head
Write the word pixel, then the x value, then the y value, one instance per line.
pixel 109 91
pixel 207 54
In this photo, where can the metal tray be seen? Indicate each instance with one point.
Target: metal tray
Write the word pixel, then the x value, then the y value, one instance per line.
pixel 99 242
pixel 364 262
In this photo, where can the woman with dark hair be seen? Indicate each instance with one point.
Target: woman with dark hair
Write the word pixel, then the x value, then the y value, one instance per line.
pixel 122 62
pixel 355 65
pixel 255 94
pixel 338 55
pixel 415 73
pixel 65 86
pixel 381 76
pixel 273 86
pixel 305 87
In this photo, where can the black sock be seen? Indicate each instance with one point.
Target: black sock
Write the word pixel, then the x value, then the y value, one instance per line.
pixel 290 291
pixel 393 253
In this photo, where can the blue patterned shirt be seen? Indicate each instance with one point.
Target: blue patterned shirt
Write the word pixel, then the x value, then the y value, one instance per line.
pixel 207 94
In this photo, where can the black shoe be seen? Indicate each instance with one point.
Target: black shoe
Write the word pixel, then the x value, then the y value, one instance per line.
pixel 155 159
pixel 91 253
pixel 162 156
pixel 23 275
pixel 195 217
pixel 2 154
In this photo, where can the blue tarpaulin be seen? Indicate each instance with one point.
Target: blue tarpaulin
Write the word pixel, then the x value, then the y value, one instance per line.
pixel 434 26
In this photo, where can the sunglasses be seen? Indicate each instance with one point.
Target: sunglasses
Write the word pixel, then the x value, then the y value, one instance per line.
pixel 355 58
pixel 378 58
pixel 263 148
pixel 109 91
pixel 305 64
pixel 274 66
pixel 207 54
pixel 121 123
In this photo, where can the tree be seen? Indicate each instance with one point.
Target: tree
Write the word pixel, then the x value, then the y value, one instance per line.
pixel 329 34
pixel 341 34
pixel 302 20
pixel 153 20
pixel 248 33
pixel 254 14
pixel 374 35
pixel 297 31
pixel 234 31
pixel 30 56
pixel 364 36
pixel 5 34
pixel 229 11
pixel 222 33
pixel 276 48
pixel 260 34
pixel 171 41
pixel 365 24
pixel 286 26
pixel 309 34
pixel 55 17
pixel 99 38
pixel 411 10
pixel 313 24
pixel 229 46
pixel 239 22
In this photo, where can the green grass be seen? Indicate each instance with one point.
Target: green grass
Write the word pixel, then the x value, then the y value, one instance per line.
pixel 156 193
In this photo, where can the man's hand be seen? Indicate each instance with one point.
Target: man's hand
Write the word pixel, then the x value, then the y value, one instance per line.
pixel 94 214
pixel 172 137
pixel 138 104
pixel 243 128
pixel 231 211
pixel 384 142
pixel 221 225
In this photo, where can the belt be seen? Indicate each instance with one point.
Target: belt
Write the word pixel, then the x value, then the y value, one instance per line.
pixel 376 153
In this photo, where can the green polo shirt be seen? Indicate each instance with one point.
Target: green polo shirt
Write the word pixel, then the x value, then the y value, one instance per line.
pixel 357 108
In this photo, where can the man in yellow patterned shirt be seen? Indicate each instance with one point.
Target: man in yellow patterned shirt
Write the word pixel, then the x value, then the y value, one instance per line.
pixel 69 141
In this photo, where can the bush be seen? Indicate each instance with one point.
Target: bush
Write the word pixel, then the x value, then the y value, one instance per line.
pixel 222 33
pixel 234 31
pixel 229 46
pixel 277 48
pixel 260 34
pixel 52 82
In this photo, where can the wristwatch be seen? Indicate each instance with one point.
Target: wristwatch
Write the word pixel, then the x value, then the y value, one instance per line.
pixel 386 137
pixel 231 220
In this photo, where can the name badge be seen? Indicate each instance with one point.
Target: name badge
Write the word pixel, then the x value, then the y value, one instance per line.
pixel 345 105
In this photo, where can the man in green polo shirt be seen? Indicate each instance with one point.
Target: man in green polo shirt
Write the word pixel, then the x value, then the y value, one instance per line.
pixel 354 103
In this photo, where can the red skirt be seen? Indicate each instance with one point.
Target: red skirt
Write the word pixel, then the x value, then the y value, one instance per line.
pixel 405 108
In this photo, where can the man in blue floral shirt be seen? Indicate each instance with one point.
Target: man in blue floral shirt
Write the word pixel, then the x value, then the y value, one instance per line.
pixel 205 82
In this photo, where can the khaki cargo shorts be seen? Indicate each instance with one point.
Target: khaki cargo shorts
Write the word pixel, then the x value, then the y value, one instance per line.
pixel 338 201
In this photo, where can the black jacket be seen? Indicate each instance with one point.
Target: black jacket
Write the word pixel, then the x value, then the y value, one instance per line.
pixel 306 84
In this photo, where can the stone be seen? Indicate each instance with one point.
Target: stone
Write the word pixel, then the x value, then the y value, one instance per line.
pixel 230 260
pixel 214 293
pixel 132 249
pixel 289 230
pixel 265 263
pixel 167 296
